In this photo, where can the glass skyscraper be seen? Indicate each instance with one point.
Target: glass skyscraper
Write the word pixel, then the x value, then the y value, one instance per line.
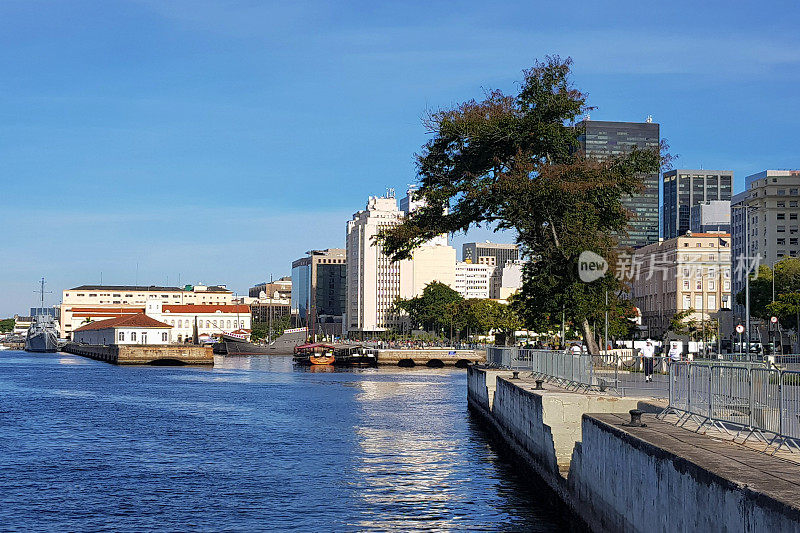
pixel 602 140
pixel 684 189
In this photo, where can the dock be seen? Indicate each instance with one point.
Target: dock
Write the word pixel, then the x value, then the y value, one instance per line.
pixel 431 357
pixel 144 354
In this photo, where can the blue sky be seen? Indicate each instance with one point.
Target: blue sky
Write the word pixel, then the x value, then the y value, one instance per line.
pixel 221 140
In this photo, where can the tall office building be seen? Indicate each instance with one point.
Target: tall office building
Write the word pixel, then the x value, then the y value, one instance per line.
pixel 765 217
pixel 489 253
pixel 319 283
pixel 374 282
pixel 714 215
pixel 686 188
pixel 601 140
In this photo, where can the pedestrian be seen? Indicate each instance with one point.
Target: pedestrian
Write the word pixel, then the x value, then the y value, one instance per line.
pixel 674 357
pixel 575 349
pixel 647 359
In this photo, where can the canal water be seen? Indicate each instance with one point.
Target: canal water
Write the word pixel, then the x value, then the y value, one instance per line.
pixel 251 444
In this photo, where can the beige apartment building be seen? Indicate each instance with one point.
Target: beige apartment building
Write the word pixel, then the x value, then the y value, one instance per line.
pixel 88 303
pixel 690 271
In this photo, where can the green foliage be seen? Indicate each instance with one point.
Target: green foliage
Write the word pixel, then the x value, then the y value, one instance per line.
pixel 432 310
pixel 6 325
pixel 787 292
pixel 513 161
pixel 260 330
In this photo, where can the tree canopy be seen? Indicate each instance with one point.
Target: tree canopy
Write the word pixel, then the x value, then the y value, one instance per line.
pixel 514 161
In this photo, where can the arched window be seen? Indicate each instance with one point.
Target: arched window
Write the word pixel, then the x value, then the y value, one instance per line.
pixel 229 324
pixel 214 322
pixel 133 336
pixel 180 323
pixel 122 336
pixel 208 324
pixel 164 337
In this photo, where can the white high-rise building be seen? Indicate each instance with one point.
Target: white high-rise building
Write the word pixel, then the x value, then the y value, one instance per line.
pixel 374 282
pixel 472 280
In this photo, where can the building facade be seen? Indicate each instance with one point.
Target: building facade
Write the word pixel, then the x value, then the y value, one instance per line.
pixel 766 219
pixel 374 282
pixel 132 329
pixel 319 288
pixel 278 289
pixel 602 140
pixel 206 320
pixel 489 253
pixel 692 271
pixel 472 279
pixel 88 303
pixel 686 188
pixel 714 215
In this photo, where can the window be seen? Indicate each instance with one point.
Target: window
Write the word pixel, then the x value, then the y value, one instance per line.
pixel 229 324
pixel 726 286
pixel 685 272
pixel 698 302
pixel 726 273
pixel 712 285
pixel 781 204
pixel 793 192
pixel 133 336
pixel 781 229
pixel 687 301
pixel 793 241
pixel 164 337
pixel 121 336
pixel 725 301
pixel 712 301
pixel 792 216
pixel 793 203
pixel 144 337
pixel 781 216
pixel 698 285
pixel 781 241
pixel 781 192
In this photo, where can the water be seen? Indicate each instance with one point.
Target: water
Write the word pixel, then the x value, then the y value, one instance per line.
pixel 251 444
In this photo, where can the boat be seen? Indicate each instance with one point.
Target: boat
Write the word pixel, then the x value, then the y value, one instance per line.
pixel 42 334
pixel 238 343
pixel 323 359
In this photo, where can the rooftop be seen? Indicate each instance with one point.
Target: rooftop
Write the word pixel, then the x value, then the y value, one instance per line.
pixel 131 321
pixel 150 288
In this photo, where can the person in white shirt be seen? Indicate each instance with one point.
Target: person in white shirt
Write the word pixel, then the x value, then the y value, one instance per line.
pixel 674 352
pixel 575 349
pixel 647 359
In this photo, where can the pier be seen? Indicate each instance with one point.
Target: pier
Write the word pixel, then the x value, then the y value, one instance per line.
pixel 619 472
pixel 431 357
pixel 143 354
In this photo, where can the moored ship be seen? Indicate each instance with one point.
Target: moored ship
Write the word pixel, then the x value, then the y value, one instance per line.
pixel 42 335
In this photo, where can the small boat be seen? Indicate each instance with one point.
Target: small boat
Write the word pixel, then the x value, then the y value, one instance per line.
pixel 324 359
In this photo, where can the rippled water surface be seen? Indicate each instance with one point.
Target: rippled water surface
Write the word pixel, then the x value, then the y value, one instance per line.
pixel 251 444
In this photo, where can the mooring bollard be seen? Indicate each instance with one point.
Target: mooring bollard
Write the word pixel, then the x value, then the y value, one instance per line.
pixel 515 374
pixel 636 419
pixel 539 383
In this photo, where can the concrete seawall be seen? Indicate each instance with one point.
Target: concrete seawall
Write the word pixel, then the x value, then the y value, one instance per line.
pixel 617 478
pixel 431 357
pixel 144 354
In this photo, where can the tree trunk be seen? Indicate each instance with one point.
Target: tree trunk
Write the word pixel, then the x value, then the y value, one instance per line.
pixel 588 338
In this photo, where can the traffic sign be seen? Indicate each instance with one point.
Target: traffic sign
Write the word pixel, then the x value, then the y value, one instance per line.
pixel 774 320
pixel 740 329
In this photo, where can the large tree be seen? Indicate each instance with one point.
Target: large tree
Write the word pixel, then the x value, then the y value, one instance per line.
pixel 433 309
pixel 514 162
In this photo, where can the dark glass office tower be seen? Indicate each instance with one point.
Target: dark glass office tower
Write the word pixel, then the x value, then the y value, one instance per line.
pixel 601 140
pixel 686 188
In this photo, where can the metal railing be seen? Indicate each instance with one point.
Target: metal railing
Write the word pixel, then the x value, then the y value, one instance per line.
pixel 756 402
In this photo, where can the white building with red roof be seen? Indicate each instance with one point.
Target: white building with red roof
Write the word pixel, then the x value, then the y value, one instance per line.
pixel 129 329
pixel 210 320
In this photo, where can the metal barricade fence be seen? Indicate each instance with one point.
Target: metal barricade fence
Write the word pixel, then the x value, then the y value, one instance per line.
pixel 790 403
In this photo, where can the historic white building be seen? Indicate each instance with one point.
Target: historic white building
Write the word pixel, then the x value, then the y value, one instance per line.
pixel 132 329
pixel 210 320
pixel 100 302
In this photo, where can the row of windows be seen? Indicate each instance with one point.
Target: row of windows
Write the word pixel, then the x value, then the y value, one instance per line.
pixel 121 337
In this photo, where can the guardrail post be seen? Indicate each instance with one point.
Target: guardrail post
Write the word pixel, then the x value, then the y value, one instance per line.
pixel 689 387
pixel 780 403
pixel 750 410
pixel 710 390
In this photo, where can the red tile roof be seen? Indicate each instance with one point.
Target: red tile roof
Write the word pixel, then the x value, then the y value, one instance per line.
pixel 130 321
pixel 206 308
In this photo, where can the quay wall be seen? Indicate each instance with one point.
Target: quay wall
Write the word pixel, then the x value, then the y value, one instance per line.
pixel 423 356
pixel 625 483
pixel 611 479
pixel 144 354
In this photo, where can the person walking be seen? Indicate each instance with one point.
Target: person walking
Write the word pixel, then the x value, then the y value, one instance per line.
pixel 674 357
pixel 647 359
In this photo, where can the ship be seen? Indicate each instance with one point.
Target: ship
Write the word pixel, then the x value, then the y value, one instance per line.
pixel 42 334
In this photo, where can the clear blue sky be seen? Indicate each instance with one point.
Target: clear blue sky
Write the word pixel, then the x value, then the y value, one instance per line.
pixel 221 140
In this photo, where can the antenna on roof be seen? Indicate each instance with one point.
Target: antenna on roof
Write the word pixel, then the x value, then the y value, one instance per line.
pixel 649 119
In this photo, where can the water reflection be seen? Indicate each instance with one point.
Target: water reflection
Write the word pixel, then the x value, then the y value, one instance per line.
pixel 250 444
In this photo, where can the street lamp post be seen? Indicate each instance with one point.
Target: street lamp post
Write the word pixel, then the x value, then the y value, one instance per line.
pixel 746 209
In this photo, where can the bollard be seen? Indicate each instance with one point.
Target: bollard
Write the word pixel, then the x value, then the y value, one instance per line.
pixel 515 374
pixel 636 419
pixel 539 384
